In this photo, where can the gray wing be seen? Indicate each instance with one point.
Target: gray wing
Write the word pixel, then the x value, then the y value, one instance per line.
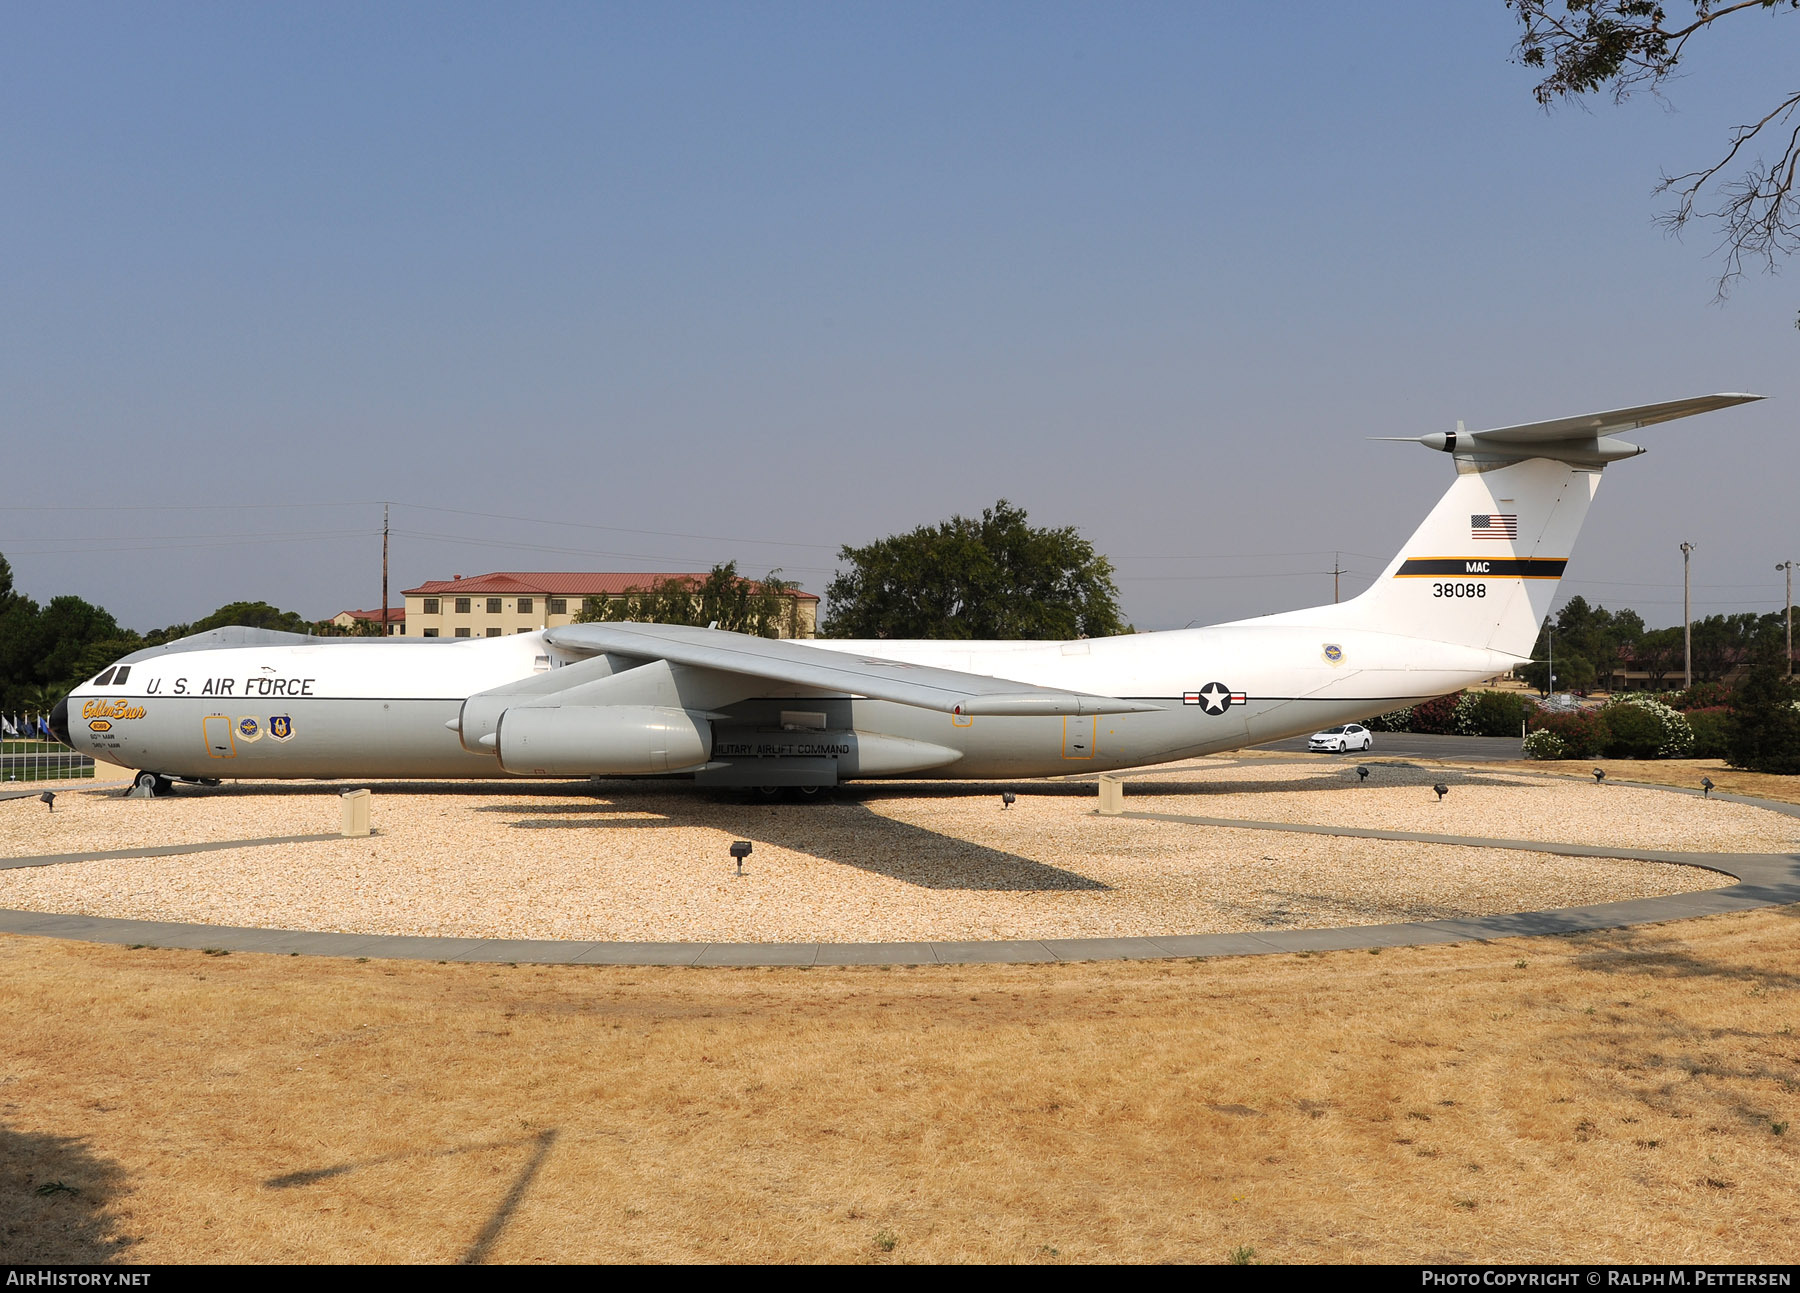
pixel 800 665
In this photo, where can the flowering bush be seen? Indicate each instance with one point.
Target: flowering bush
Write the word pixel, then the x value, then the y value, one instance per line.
pixel 1544 744
pixel 1642 727
pixel 1436 716
pixel 1399 720
pixel 1582 731
pixel 1702 695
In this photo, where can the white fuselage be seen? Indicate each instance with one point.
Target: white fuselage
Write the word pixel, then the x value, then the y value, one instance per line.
pixel 383 707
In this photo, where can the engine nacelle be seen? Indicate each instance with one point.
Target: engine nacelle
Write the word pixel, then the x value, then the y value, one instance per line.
pixel 601 740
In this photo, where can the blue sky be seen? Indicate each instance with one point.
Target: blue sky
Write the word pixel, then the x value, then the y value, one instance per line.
pixel 793 276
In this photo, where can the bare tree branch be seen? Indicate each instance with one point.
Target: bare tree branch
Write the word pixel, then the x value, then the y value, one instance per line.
pixel 1622 45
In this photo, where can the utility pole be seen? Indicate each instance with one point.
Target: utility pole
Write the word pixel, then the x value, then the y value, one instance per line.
pixel 1550 669
pixel 1336 570
pixel 384 591
pixel 1687 620
pixel 1789 567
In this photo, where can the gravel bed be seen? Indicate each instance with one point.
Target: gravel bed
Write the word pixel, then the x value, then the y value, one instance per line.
pixel 1494 805
pixel 880 862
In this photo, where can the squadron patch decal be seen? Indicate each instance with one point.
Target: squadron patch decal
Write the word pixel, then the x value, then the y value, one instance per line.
pixel 1333 653
pixel 281 727
pixel 248 729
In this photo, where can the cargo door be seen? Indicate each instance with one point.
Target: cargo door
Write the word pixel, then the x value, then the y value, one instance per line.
pixel 1079 736
pixel 219 741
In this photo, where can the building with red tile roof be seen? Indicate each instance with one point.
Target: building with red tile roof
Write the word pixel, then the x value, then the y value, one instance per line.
pixel 504 602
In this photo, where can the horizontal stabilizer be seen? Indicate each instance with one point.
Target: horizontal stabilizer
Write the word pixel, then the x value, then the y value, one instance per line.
pixel 1584 440
pixel 796 664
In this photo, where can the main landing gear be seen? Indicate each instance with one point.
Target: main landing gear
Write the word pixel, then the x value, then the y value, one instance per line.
pixel 149 785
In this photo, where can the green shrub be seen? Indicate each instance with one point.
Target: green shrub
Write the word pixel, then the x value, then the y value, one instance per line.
pixel 1642 727
pixel 1491 713
pixel 1632 732
pixel 1711 728
pixel 1764 730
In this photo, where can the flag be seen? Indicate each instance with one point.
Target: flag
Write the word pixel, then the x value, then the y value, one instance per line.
pixel 6 726
pixel 43 727
pixel 1496 525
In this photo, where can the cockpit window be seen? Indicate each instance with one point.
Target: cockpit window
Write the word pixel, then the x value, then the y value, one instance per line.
pixel 120 677
pixel 104 678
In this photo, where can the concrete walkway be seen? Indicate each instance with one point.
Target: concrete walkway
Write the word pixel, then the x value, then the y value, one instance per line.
pixel 1762 880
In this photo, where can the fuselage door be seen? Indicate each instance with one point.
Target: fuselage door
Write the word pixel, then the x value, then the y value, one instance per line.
pixel 1079 735
pixel 219 743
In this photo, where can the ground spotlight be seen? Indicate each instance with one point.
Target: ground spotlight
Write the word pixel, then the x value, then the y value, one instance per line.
pixel 1007 800
pixel 740 849
pixel 1706 787
pixel 1362 774
pixel 1599 775
pixel 1442 790
pixel 49 799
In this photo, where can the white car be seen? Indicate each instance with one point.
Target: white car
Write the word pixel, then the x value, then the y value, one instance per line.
pixel 1336 740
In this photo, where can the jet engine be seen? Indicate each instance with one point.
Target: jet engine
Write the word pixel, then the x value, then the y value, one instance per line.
pixel 600 740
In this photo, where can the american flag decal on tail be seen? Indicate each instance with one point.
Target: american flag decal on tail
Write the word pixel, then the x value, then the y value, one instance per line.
pixel 1495 525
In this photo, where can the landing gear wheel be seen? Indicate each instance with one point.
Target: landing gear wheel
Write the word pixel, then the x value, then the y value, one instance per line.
pixel 810 794
pixel 150 785
pixel 768 793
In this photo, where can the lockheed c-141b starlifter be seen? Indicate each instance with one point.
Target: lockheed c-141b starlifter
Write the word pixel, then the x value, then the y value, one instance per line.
pixel 1461 602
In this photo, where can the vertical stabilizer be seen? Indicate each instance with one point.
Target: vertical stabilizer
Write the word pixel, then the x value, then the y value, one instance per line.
pixel 1483 568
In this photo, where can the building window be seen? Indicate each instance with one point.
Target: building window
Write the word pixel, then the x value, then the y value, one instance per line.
pixel 528 629
pixel 430 633
pixel 493 606
pixel 494 633
pixel 462 606
pixel 524 605
pixel 462 633
pixel 431 606
pixel 559 606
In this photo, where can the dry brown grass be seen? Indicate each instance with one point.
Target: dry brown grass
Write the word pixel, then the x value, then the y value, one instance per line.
pixel 1607 1097
pixel 1671 772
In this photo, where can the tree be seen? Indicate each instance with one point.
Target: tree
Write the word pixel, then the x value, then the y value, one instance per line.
pixel 1625 45
pixel 992 577
pixel 1588 639
pixel 760 607
pixel 251 615
pixel 1763 733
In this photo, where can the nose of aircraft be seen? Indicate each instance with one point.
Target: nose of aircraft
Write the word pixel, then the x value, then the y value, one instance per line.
pixel 59 722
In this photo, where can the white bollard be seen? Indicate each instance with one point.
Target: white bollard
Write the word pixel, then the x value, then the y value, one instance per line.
pixel 1112 795
pixel 356 812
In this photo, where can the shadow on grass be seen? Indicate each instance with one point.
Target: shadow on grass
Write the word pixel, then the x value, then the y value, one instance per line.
pixel 496 1223
pixel 56 1195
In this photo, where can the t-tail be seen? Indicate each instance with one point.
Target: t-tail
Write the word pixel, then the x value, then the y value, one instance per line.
pixel 1482 569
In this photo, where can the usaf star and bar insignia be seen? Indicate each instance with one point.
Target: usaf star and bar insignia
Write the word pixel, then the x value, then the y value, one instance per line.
pixel 1214 698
